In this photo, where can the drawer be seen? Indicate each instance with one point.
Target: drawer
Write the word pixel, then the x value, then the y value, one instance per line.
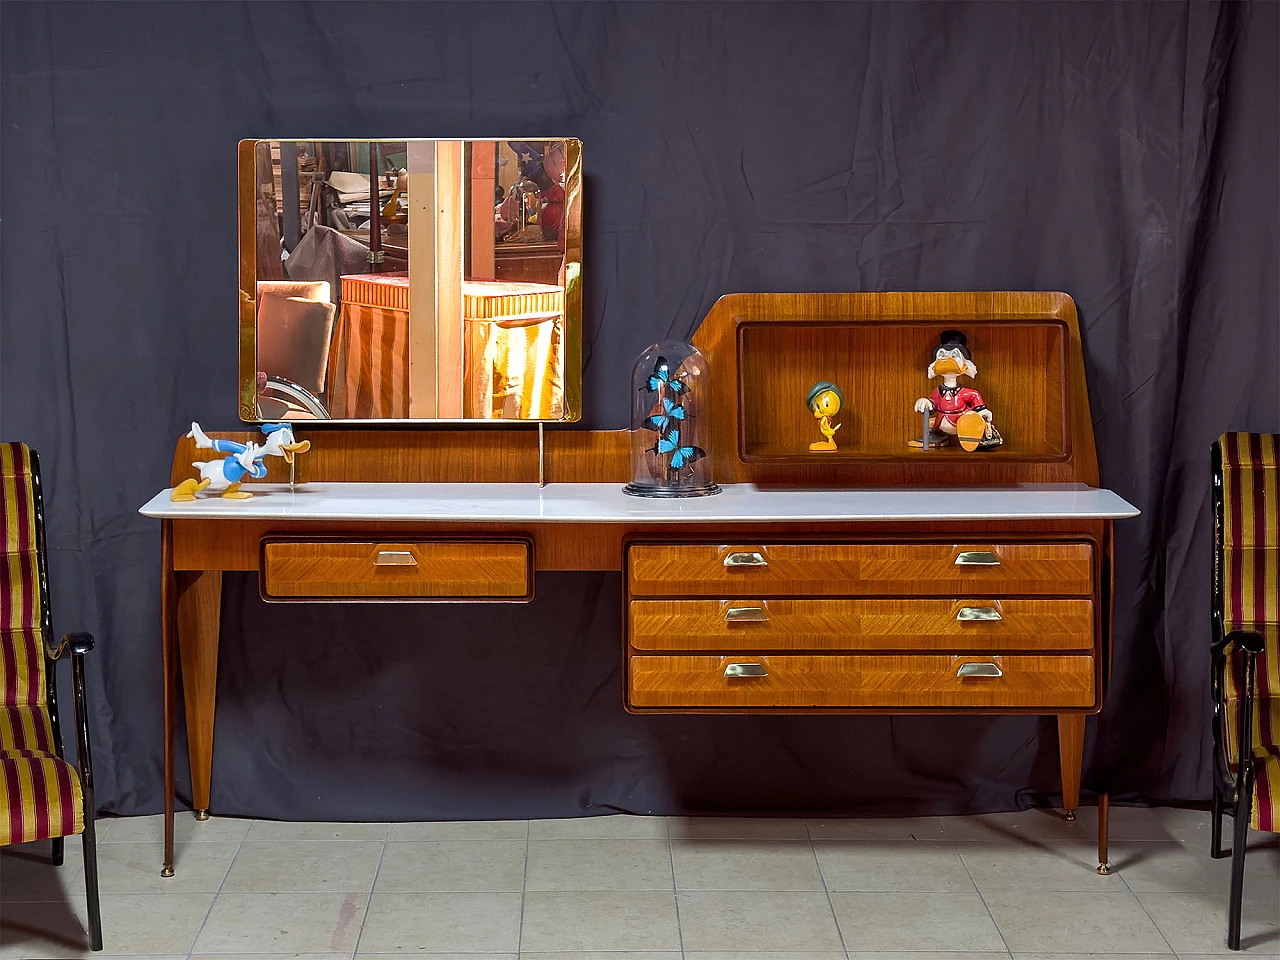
pixel 977 625
pixel 852 569
pixel 920 681
pixel 378 570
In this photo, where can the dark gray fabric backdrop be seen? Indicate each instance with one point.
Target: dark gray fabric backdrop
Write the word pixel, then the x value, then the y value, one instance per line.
pixel 1125 153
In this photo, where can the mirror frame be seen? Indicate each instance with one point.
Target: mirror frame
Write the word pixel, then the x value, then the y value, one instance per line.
pixel 247 230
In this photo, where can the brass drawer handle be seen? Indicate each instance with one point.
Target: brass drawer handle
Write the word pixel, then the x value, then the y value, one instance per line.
pixel 752 558
pixel 979 670
pixel 395 558
pixel 978 613
pixel 977 558
pixel 745 670
pixel 746 615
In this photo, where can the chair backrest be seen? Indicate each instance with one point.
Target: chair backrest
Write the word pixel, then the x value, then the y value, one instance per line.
pixel 295 329
pixel 1247 526
pixel 25 679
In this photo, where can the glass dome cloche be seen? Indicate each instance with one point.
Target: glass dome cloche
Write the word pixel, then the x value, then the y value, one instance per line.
pixel 670 437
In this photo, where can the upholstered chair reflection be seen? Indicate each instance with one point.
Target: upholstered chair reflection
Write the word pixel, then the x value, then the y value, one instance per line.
pixel 294 337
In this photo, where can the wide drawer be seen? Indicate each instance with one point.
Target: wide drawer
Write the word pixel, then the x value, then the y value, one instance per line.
pixel 921 681
pixel 851 569
pixel 372 570
pixel 980 625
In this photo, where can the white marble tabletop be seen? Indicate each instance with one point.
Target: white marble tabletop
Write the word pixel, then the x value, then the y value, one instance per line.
pixel 606 503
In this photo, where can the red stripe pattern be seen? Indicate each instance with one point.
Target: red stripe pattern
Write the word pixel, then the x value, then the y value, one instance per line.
pixel 40 793
pixel 1250 556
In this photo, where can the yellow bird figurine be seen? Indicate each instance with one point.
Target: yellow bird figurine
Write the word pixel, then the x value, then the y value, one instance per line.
pixel 824 402
pixel 391 211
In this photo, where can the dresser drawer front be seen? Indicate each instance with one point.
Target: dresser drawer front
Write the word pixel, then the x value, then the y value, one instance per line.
pixel 759 625
pixel 853 569
pixel 921 681
pixel 378 570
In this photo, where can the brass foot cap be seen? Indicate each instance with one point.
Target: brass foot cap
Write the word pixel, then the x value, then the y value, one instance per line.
pixel 167 872
pixel 1104 869
pixel 1071 815
pixel 202 814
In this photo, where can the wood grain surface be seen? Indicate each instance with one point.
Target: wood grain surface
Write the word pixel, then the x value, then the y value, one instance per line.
pixel 851 569
pixel 881 370
pixel 842 624
pixel 911 681
pixel 1043 396
pixel 448 569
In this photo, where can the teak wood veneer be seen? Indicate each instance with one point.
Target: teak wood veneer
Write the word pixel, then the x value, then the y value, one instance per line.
pixel 928 611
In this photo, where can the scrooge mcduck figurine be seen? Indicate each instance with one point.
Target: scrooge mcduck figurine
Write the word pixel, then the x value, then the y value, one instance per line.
pixel 956 411
pixel 244 461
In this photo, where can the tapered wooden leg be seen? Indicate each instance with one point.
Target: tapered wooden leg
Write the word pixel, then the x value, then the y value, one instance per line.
pixel 168 624
pixel 199 617
pixel 1071 752
pixel 1104 833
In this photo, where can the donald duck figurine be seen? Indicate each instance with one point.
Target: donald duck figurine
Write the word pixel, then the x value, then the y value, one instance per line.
pixel 243 461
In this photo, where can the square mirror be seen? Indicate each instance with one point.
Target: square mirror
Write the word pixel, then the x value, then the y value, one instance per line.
pixel 410 280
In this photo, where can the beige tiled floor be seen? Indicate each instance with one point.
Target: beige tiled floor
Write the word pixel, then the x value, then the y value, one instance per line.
pixel 634 888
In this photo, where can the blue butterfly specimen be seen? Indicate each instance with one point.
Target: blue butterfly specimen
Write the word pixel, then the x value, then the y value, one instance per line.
pixel 662 375
pixel 670 412
pixel 680 456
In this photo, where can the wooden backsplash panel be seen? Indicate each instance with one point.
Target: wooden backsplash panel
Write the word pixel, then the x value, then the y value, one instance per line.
pixel 880 368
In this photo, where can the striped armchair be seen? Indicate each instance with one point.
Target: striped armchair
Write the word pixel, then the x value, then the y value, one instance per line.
pixel 42 796
pixel 1246 647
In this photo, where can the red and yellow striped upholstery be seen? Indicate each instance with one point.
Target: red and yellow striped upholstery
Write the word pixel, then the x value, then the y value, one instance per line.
pixel 1251 601
pixel 40 793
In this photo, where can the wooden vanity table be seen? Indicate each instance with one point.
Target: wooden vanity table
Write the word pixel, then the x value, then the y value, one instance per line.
pixel 872 579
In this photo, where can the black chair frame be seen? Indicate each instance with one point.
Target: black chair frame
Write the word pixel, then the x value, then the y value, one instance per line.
pixel 79 644
pixel 1232 792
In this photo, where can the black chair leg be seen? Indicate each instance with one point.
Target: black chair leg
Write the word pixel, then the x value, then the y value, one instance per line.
pixel 80 643
pixel 91 884
pixel 1251 644
pixel 55 854
pixel 1215 824
pixel 1239 842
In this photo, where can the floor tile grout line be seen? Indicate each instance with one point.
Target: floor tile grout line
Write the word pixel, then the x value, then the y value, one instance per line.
pixel 675 890
pixel 214 902
pixel 985 905
pixel 368 903
pixel 825 889
pixel 524 886
pixel 1147 913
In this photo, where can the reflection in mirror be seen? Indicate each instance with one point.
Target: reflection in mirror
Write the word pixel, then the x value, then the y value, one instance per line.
pixel 407 280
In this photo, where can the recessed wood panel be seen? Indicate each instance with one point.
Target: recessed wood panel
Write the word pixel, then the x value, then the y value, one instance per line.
pixel 919 681
pixel 880 368
pixel 859 569
pixel 761 625
pixel 371 570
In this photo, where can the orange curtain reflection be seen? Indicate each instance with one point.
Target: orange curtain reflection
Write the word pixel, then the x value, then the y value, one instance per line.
pixel 369 377
pixel 515 350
